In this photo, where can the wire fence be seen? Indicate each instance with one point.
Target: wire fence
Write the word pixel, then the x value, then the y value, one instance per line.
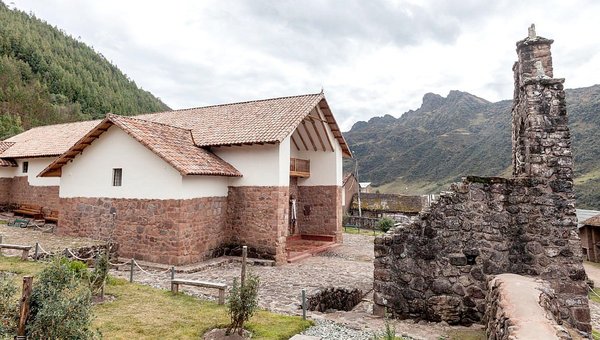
pixel 41 254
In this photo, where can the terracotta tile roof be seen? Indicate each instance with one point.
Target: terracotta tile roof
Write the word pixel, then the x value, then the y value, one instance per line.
pixel 259 121
pixel 6 162
pixel 50 140
pixel 174 145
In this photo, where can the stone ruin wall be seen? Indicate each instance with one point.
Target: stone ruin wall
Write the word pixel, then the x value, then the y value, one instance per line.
pixel 438 267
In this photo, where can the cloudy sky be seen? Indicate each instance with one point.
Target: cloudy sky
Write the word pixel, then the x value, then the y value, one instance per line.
pixel 371 57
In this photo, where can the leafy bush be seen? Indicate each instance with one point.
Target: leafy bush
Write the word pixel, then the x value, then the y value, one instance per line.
pixel 242 303
pixel 61 304
pixel 9 308
pixel 385 224
pixel 78 268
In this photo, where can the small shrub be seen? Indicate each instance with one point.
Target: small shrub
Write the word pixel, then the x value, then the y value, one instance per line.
pixel 61 303
pixel 242 303
pixel 385 224
pixel 389 333
pixel 78 268
pixel 100 274
pixel 9 308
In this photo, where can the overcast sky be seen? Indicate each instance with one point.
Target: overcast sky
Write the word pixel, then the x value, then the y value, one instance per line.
pixel 371 57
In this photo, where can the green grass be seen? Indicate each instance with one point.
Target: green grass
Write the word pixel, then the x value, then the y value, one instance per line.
pixel 368 232
pixel 467 334
pixel 595 334
pixel 143 312
pixel 594 297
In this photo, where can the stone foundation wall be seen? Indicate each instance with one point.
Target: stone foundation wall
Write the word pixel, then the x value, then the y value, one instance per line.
pixel 320 210
pixel 165 231
pixel 258 217
pixel 23 193
pixel 438 267
pixel 5 185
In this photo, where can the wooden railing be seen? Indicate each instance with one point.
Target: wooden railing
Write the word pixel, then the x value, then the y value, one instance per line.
pixel 299 167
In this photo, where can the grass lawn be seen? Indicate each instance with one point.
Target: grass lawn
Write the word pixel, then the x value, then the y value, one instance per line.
pixel 368 232
pixel 595 297
pixel 143 312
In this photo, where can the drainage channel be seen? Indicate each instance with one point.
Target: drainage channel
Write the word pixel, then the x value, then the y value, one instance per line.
pixel 333 298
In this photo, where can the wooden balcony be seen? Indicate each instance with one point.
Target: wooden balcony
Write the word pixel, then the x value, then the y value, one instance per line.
pixel 299 167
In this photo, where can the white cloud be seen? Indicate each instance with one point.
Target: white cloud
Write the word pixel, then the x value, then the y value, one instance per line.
pixel 372 57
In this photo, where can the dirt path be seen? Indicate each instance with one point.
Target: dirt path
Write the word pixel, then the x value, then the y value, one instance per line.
pixel 47 240
pixel 593 272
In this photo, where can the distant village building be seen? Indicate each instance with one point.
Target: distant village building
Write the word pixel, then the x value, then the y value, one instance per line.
pixel 349 188
pixel 365 187
pixel 589 233
pixel 180 186
pixel 398 207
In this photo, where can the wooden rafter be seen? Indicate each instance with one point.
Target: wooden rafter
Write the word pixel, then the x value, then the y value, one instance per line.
pixel 314 125
pixel 325 129
pixel 336 132
pixel 309 136
pixel 294 141
pixel 301 138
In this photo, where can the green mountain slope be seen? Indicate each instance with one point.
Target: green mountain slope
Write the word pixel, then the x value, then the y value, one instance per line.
pixel 448 138
pixel 48 77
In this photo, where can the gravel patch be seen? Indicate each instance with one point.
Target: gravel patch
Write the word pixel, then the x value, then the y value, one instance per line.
pixel 328 330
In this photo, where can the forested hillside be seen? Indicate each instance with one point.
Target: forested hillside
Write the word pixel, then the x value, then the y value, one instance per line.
pixel 448 138
pixel 49 77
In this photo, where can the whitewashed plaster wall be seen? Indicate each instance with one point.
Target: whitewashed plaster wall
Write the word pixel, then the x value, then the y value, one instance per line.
pixel 260 165
pixel 145 175
pixel 8 172
pixel 36 165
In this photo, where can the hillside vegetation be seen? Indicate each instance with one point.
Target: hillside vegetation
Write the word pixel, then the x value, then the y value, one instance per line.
pixel 49 77
pixel 447 138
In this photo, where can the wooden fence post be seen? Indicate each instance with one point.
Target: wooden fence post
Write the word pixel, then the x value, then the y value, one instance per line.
pixel 244 256
pixel 131 270
pixel 24 306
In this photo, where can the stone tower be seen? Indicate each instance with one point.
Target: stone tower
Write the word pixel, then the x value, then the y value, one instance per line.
pixel 541 138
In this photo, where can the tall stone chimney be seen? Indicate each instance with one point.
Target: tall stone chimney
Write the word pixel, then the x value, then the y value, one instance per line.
pixel 541 138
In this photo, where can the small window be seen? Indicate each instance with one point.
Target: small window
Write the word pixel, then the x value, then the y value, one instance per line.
pixel 117 177
pixel 25 167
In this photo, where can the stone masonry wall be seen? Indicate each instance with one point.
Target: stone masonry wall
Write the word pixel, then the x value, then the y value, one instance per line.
pixel 5 185
pixel 165 231
pixel 438 267
pixel 23 193
pixel 320 210
pixel 258 217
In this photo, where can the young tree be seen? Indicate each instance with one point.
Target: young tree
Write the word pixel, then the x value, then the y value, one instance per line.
pixel 242 303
